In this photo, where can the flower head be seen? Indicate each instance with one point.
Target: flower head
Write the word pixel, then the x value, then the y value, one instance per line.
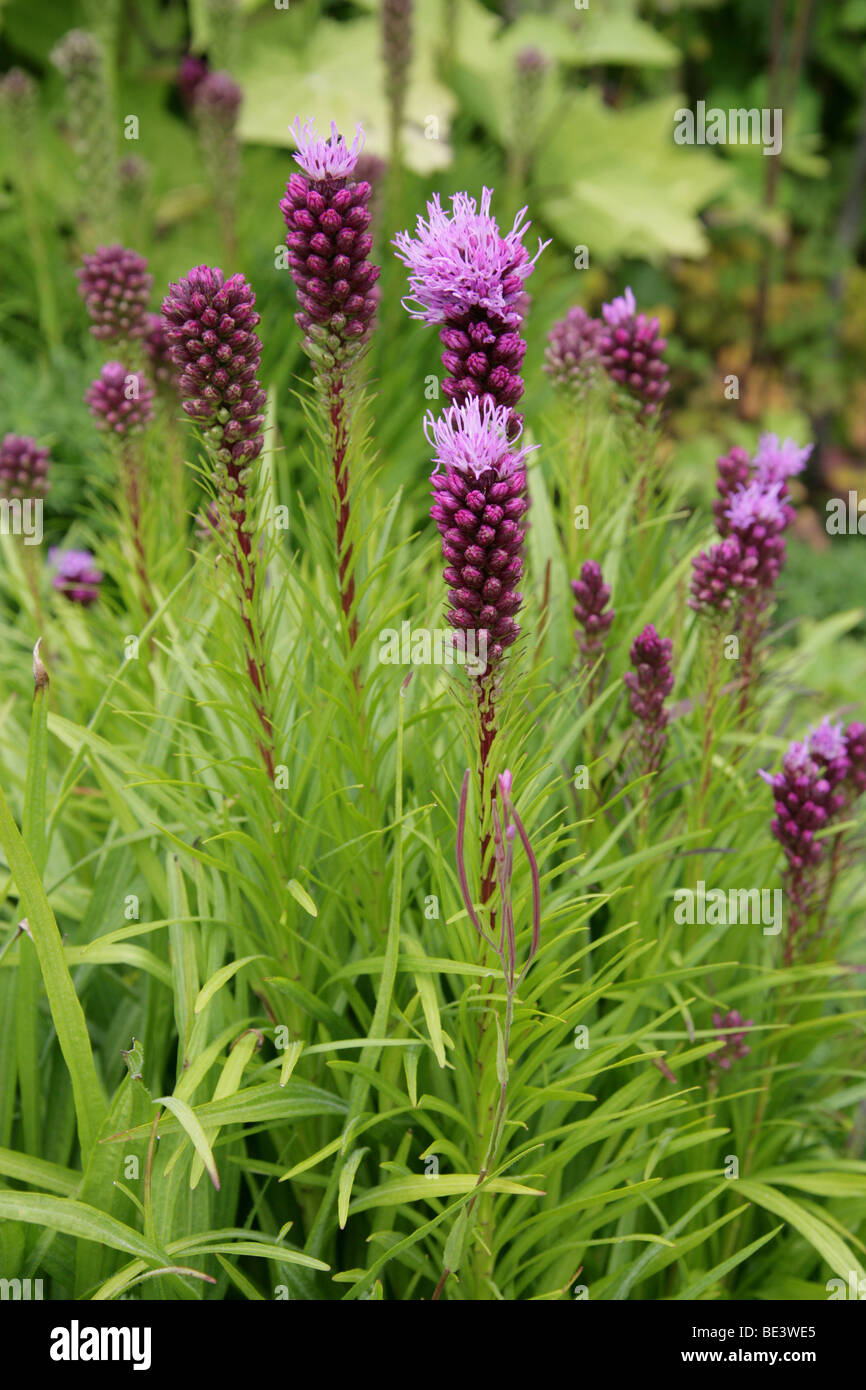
pixel 120 401
pixel 327 218
pixel 572 349
pixel 757 504
pixel 115 285
pixel 775 462
pixel 827 741
pixel 210 325
pixel 620 310
pixel 631 351
pixel 459 261
pixel 592 610
pixel 322 159
pixel 473 438
pixel 77 577
pixel 650 682
pixel 720 575
pixel 733 1042
pixel 479 501
pixel 23 467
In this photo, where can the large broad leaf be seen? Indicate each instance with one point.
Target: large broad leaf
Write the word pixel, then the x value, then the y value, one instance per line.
pixel 619 185
pixel 338 76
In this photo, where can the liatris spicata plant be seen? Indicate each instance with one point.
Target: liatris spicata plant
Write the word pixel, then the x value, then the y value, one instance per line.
pixel 479 502
pixel 753 510
pixel 210 325
pixel 631 350
pixel 24 467
pixel 397 56
pixel 77 577
pixel 216 103
pixel 594 616
pixel 80 57
pixel 571 357
pixel 467 278
pixel 732 1030
pixel 326 216
pixel 121 403
pixel 115 285
pixel 650 682
pixel 820 780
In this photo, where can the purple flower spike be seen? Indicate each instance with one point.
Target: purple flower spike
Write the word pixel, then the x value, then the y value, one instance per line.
pixel 720 575
pixel 571 356
pixel 631 352
pixel 77 577
pixel 591 611
pixel 733 1043
pixel 478 505
pixel 210 325
pixel 115 285
pixel 327 218
pixel 23 467
pixel 757 516
pixel 119 400
pixel 468 278
pixel 775 462
pixel 649 684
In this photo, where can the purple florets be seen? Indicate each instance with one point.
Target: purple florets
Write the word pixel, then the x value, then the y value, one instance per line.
pixel 572 356
pixel 733 1043
pixel 649 683
pixel 115 285
pixel 210 325
pixel 720 575
pixel 322 159
pixel 469 279
pixel 77 577
pixel 775 462
pixel 120 401
pixel 733 471
pixel 631 351
pixel 591 610
pixel 23 467
pixel 473 438
pixel 821 777
pixel 478 505
pixel 459 262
